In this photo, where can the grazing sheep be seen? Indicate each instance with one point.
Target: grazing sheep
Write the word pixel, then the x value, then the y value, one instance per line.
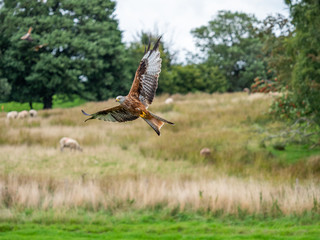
pixel 205 152
pixel 33 113
pixel 247 90
pixel 12 115
pixel 66 142
pixel 169 100
pixel 23 114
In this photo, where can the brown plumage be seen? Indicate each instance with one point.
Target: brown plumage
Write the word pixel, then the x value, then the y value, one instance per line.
pixel 38 47
pixel 141 94
pixel 28 35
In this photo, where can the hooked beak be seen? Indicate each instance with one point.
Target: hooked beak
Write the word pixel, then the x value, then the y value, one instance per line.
pixel 117 100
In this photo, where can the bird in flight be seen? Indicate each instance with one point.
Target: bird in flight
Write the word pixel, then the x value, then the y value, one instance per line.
pixel 38 47
pixel 141 94
pixel 28 35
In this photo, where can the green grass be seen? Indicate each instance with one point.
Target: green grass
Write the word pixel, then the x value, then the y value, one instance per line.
pixel 16 106
pixel 58 102
pixel 294 153
pixel 61 102
pixel 161 226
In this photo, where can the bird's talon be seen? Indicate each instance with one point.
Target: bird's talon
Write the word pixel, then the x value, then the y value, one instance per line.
pixel 143 115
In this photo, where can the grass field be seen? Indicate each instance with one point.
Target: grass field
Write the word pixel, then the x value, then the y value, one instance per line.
pixel 58 102
pixel 127 179
pixel 150 227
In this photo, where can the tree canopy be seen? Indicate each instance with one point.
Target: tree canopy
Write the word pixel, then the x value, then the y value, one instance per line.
pixel 76 49
pixel 306 44
pixel 230 42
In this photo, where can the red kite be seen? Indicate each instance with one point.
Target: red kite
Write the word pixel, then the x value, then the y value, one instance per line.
pixel 141 94
pixel 38 47
pixel 28 35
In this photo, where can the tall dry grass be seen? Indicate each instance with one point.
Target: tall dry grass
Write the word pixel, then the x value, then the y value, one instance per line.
pixel 227 194
pixel 129 166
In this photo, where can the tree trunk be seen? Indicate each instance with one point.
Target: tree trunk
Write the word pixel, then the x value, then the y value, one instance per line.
pixel 47 102
pixel 30 104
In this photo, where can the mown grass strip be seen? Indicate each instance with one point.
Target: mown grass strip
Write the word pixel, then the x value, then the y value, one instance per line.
pixel 200 229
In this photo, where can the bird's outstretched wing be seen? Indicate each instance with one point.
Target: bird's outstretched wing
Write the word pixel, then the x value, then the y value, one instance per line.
pixel 115 114
pixel 145 83
pixel 28 35
pixel 38 47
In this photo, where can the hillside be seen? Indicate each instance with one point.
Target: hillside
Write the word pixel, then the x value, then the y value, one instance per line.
pixel 127 166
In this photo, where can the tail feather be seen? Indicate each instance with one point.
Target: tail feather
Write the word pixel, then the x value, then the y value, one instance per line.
pixel 87 115
pixel 160 118
pixel 155 124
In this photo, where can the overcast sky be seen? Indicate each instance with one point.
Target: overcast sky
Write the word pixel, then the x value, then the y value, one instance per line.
pixel 175 18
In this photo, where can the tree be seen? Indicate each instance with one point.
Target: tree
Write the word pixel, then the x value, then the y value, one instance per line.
pixel 5 89
pixel 81 51
pixel 306 45
pixel 230 42
pixel 193 78
pixel 276 34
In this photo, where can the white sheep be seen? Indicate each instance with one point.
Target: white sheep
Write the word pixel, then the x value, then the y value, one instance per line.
pixel 23 114
pixel 12 115
pixel 33 113
pixel 169 100
pixel 247 90
pixel 66 142
pixel 205 152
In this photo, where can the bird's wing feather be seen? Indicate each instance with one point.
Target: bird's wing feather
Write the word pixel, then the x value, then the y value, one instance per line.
pixel 145 83
pixel 115 114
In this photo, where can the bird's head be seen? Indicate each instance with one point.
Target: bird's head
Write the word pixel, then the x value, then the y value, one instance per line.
pixel 120 99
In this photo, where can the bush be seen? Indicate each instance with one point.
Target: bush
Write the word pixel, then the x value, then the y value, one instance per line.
pixel 285 107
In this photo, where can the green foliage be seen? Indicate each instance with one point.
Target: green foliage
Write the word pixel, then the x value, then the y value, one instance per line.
pixel 193 78
pixel 292 51
pixel 296 55
pixel 284 107
pixel 81 54
pixel 276 34
pixel 176 78
pixel 5 89
pixel 230 42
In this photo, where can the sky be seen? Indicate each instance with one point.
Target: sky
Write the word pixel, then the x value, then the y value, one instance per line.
pixel 176 18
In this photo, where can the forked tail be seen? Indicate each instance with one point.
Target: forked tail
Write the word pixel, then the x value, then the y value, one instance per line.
pixel 160 118
pixel 156 122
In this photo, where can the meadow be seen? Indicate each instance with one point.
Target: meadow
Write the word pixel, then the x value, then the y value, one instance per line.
pixel 129 183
